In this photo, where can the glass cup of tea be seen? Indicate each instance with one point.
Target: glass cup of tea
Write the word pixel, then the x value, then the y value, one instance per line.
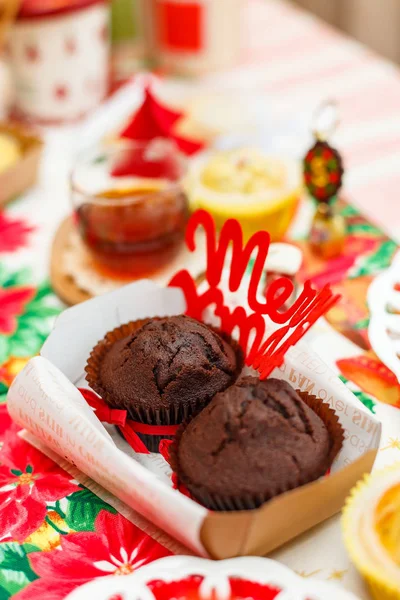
pixel 130 206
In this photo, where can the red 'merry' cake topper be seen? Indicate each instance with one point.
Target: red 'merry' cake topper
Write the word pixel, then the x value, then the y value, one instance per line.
pixel 154 120
pixel 264 354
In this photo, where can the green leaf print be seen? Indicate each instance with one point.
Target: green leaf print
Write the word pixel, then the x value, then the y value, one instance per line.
pixel 25 342
pixel 3 392
pixel 15 569
pixel 4 595
pixel 363 228
pixel 363 324
pixel 4 348
pixel 30 548
pixel 34 325
pixel 376 262
pixel 364 398
pixel 43 290
pixel 349 211
pixel 32 322
pixel 14 278
pixel 83 508
pixel 36 310
pixel 13 557
pixel 12 582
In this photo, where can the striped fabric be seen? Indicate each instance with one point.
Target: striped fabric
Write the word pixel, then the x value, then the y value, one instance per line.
pixel 297 61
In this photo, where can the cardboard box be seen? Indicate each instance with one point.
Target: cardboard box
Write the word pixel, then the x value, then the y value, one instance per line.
pixel 44 400
pixel 22 175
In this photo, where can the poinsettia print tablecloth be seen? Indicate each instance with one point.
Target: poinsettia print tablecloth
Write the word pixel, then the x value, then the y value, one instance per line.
pixel 56 534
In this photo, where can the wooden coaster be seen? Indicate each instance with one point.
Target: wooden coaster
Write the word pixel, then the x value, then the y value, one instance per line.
pixel 74 276
pixel 64 284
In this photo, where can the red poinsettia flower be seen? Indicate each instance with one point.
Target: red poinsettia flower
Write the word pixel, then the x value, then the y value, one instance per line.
pixel 28 480
pixel 12 304
pixel 116 547
pixel 13 233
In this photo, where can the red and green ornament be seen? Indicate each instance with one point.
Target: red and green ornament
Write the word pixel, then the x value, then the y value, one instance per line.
pixel 323 171
pixel 323 174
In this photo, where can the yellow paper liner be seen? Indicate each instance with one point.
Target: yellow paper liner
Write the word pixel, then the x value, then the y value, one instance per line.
pixel 174 415
pixel 228 503
pixel 381 584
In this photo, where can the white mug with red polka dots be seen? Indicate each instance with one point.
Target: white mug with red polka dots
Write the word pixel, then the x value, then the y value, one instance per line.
pixel 60 61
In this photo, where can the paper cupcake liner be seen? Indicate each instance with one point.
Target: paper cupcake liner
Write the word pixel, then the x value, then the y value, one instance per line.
pixel 174 415
pixel 381 584
pixel 330 419
pixel 218 502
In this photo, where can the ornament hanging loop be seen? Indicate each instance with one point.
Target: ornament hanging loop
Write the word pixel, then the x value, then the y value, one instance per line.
pixel 325 120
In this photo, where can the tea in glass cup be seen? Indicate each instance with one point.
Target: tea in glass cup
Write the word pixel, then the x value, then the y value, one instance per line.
pixel 130 206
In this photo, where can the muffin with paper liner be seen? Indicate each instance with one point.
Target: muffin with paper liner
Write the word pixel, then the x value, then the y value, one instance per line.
pixel 371 529
pixel 254 441
pixel 162 370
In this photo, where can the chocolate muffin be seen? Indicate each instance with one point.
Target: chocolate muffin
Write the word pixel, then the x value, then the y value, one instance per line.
pixel 164 370
pixel 253 441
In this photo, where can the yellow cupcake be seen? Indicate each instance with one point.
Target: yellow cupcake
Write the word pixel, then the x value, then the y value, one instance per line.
pixel 10 151
pixel 371 527
pixel 260 190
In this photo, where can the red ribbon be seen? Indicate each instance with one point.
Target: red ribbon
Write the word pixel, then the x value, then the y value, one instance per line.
pixel 153 429
pixel 128 427
pixel 133 439
pixel 104 413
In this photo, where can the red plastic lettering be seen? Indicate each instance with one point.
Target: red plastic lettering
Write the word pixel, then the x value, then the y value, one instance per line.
pixel 263 355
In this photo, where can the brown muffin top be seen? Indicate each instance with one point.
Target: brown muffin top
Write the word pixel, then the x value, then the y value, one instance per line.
pixel 168 362
pixel 255 438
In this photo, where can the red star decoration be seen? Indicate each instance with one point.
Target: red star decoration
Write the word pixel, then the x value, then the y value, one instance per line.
pixel 32 53
pixel 61 92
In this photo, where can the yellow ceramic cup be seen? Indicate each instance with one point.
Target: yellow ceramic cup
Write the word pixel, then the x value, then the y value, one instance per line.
pixel 269 203
pixel 371 528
